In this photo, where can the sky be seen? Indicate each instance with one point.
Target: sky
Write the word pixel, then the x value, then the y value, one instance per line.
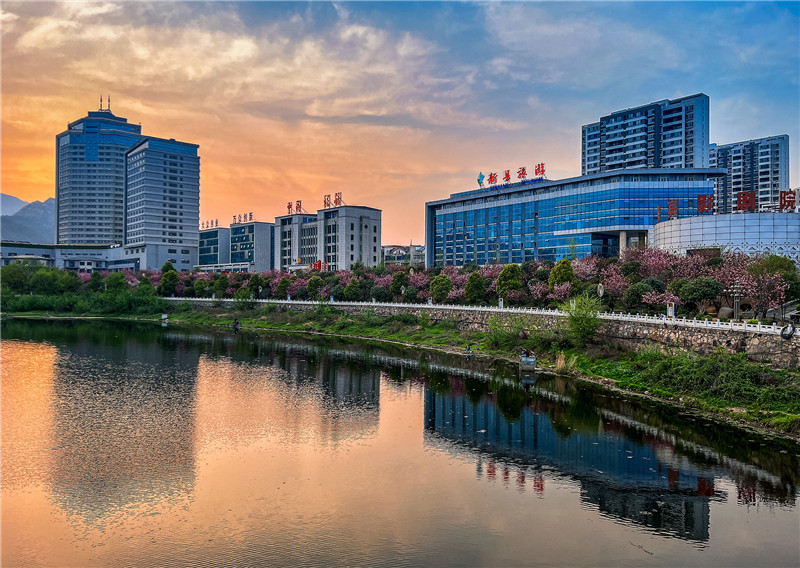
pixel 393 103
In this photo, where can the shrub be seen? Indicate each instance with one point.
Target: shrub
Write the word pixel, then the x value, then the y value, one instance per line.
pixel 510 279
pixel 562 272
pixel 632 298
pixel 583 319
pixel 440 288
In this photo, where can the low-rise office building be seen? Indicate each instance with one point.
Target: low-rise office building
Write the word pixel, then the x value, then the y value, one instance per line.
pixel 403 254
pixel 335 238
pixel 79 258
pixel 549 220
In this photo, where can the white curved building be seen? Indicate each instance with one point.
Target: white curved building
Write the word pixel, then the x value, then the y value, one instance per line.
pixel 751 233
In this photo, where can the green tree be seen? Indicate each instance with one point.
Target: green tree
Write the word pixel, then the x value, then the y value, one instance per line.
pixel 254 284
pixel 632 297
pixel 440 287
pixel 410 295
pixel 352 292
pixel 167 267
pixel 95 283
pixel 145 287
pixel 583 318
pixel 701 292
pixel 68 281
pixel 475 289
pixel 201 287
pixel 315 284
pixel 169 280
pixel 282 290
pixel 45 281
pixel 510 279
pixel 221 284
pixel 115 282
pixel 381 294
pixel 561 272
pixel 16 277
pixel 399 280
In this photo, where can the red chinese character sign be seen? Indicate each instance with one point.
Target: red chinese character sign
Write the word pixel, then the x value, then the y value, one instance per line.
pixel 522 173
pixel 507 176
pixel 289 207
pixel 492 178
pixel 326 201
pixel 539 171
pixel 746 201
pixel 337 199
pixel 705 203
pixel 788 201
pixel 672 209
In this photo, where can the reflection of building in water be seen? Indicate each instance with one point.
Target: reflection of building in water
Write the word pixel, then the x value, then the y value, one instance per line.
pixel 623 477
pixel 123 433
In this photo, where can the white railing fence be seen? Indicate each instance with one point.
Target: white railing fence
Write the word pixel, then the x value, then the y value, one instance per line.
pixel 639 318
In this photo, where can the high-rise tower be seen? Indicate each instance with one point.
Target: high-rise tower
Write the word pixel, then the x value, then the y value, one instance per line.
pixel 663 134
pixel 162 213
pixel 90 178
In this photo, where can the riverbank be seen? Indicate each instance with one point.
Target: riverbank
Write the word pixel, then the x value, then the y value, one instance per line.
pixel 721 386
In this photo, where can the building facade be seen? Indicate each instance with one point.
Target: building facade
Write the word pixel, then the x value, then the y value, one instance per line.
pixel 750 233
pixel 214 246
pixel 162 213
pixel 760 165
pixel 549 220
pixel 337 237
pixel 90 178
pixel 403 254
pixel 663 134
pixel 79 258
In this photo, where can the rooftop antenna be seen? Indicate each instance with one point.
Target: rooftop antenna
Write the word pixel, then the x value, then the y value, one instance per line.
pixel 101 102
pixel 109 103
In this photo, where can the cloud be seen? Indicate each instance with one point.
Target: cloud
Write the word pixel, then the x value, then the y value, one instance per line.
pixel 553 44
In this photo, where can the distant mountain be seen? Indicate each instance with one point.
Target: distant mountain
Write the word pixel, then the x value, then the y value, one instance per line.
pixel 10 204
pixel 34 223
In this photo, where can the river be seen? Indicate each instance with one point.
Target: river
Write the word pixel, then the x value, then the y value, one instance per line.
pixel 134 445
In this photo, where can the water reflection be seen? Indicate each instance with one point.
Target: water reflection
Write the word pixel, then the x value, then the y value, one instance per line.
pixel 627 468
pixel 279 451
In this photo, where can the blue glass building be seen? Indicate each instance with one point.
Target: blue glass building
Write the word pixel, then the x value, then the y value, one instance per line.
pixel 549 220
pixel 90 178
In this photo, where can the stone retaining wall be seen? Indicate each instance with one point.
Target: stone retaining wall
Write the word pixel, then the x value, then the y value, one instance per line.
pixel 766 347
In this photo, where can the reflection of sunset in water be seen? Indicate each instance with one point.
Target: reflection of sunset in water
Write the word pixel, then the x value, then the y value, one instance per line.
pixel 26 398
pixel 147 447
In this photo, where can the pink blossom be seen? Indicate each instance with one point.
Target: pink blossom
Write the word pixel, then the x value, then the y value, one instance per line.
pixel 561 291
pixel 456 294
pixel 326 290
pixel 654 298
pixel 383 281
pixel 491 271
pixel 419 280
pixel 84 277
pixel 516 296
pixel 586 268
pixel 613 281
pixel 688 267
pixel 423 295
pixel 296 285
pixel 539 290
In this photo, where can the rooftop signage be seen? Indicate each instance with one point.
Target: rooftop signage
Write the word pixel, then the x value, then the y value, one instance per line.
pixel 522 175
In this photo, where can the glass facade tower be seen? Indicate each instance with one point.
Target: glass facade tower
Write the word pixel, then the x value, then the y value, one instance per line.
pixel 549 220
pixel 90 178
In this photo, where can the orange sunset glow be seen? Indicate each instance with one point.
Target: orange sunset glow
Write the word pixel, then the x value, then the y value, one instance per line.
pixel 390 104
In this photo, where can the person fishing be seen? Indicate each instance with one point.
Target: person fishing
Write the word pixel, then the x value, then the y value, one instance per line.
pixel 235 326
